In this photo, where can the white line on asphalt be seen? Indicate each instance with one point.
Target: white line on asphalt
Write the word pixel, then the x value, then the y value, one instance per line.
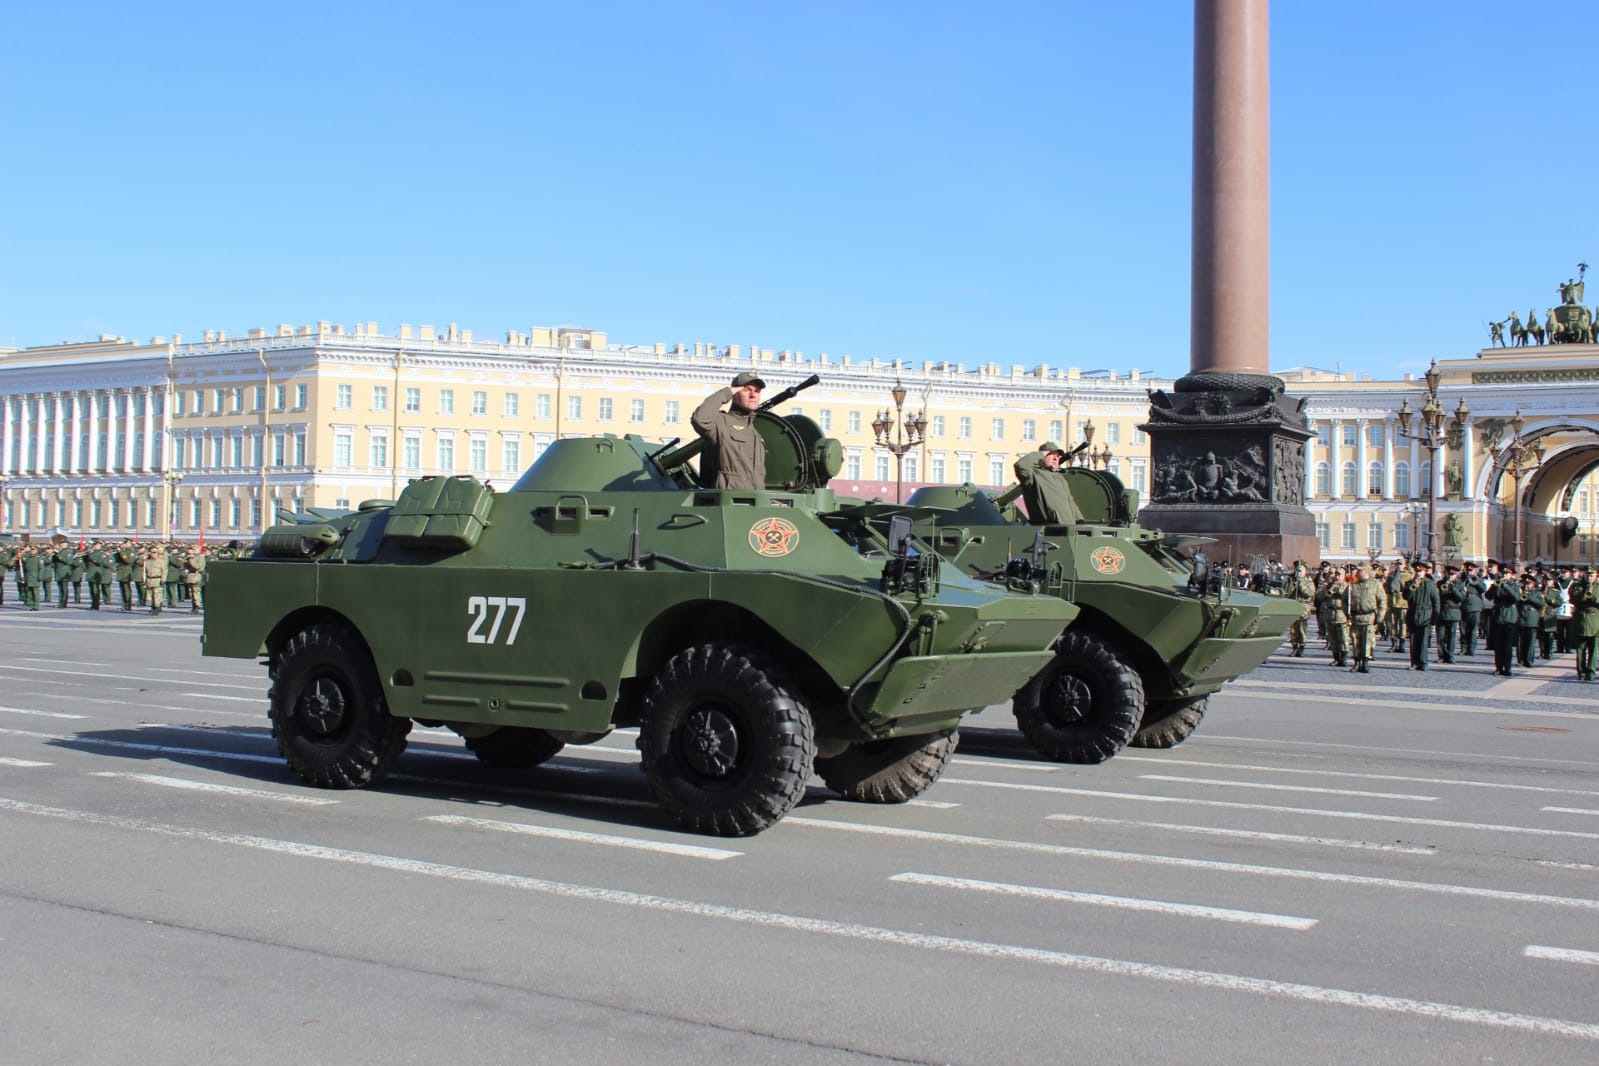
pixel 126 677
pixel 1588 958
pixel 1122 756
pixel 58 662
pixel 1348 702
pixel 6 760
pixel 40 714
pixel 133 745
pixel 201 673
pixel 1566 865
pixel 850 931
pixel 1498 758
pixel 1007 764
pixel 1569 810
pixel 203 786
pixel 1286 788
pixel 1359 816
pixel 1401 690
pixel 1189 864
pixel 691 851
pixel 1248 834
pixel 1187 910
pixel 937 805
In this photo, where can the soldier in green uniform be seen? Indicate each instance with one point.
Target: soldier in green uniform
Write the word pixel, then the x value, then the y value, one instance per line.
pixel 174 579
pixel 8 560
pixel 1398 577
pixel 127 557
pixel 1451 603
pixel 1300 589
pixel 194 577
pixel 1367 602
pixel 155 576
pixel 1330 598
pixel 1549 617
pixel 1421 611
pixel 1527 620
pixel 32 567
pixel 1049 498
pixel 1471 605
pixel 79 570
pixel 65 556
pixel 1506 611
pixel 1585 622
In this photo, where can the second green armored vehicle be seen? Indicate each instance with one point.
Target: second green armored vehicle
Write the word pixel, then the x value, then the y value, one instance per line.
pixel 1154 639
pixel 751 636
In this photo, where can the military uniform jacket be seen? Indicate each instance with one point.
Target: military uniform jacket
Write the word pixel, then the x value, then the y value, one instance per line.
pixel 32 568
pixel 1396 588
pixel 1451 601
pixel 97 562
pixel 1585 598
pixel 193 568
pixel 1507 602
pixel 155 569
pixel 63 564
pixel 125 558
pixel 732 446
pixel 1301 589
pixel 1330 598
pixel 1424 603
pixel 1367 600
pixel 1471 602
pixel 1046 492
pixel 1531 607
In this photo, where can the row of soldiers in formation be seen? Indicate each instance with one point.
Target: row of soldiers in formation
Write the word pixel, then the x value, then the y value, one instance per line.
pixel 149 574
pixel 1523 616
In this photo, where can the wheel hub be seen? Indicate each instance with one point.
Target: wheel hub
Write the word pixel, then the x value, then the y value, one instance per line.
pixel 322 706
pixel 1070 700
pixel 710 742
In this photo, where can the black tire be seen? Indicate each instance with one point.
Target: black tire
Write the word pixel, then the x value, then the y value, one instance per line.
pixel 727 741
pixel 329 717
pixel 1168 723
pixel 514 747
pixel 889 771
pixel 1085 705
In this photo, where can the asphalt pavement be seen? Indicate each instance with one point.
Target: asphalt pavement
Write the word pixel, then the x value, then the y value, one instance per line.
pixel 1392 867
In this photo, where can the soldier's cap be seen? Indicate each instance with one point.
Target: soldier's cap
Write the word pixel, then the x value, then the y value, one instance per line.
pixel 1050 446
pixel 749 377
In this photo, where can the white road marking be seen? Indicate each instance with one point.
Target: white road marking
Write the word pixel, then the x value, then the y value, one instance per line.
pixel 1286 788
pixel 41 714
pixel 1006 764
pixel 1566 865
pixel 203 786
pixel 1191 864
pixel 691 851
pixel 1359 816
pixel 1248 834
pixel 6 760
pixel 1497 692
pixel 58 662
pixel 1255 768
pixel 1412 705
pixel 201 673
pixel 1587 958
pixel 1569 810
pixel 1497 758
pixel 1284 990
pixel 1186 910
pixel 125 677
pixel 937 805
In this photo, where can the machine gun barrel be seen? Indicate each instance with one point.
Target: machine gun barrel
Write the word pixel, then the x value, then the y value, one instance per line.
pixel 674 459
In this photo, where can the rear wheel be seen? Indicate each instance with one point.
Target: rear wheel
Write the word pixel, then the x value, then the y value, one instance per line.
pixel 514 747
pixel 1085 705
pixel 726 739
pixel 1168 723
pixel 328 713
pixel 889 771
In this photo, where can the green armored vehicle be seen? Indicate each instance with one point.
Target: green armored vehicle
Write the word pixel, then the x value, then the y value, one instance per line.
pixel 751 636
pixel 1154 639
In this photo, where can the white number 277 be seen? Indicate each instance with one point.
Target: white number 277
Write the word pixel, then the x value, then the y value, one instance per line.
pixel 492 609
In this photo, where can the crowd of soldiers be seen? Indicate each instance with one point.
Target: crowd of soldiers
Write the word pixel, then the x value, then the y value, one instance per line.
pixel 149 575
pixel 1522 615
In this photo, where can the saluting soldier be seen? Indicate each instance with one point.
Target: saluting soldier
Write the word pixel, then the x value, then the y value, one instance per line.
pixel 155 576
pixel 1302 590
pixel 1366 604
pixel 733 446
pixel 1585 622
pixel 194 577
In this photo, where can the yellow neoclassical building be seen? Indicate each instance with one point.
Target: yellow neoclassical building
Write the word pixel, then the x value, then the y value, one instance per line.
pixel 214 437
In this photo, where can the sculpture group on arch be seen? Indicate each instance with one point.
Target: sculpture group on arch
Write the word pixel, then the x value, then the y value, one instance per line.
pixel 1569 323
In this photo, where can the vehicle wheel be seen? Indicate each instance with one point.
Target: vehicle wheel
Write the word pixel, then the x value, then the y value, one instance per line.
pixel 726 740
pixel 889 771
pixel 1085 705
pixel 328 713
pixel 514 747
pixel 1169 722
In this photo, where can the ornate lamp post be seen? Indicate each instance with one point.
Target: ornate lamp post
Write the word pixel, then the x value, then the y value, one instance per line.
pixel 1415 511
pixel 173 478
pixel 907 434
pixel 1521 459
pixel 1430 432
pixel 1086 456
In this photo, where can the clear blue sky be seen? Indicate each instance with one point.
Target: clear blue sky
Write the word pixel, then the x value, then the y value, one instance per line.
pixel 1005 181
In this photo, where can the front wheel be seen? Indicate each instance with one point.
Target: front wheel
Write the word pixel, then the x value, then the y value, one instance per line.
pixel 726 740
pixel 328 713
pixel 889 771
pixel 1168 723
pixel 1085 705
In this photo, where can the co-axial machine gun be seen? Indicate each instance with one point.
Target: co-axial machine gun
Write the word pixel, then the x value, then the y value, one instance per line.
pixel 753 637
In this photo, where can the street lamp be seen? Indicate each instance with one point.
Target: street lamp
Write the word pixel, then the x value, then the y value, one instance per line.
pixel 1086 456
pixel 1415 511
pixel 1521 458
pixel 1429 431
pixel 173 478
pixel 908 433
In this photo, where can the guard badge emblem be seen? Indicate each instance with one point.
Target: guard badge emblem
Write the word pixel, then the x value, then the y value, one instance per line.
pixel 1108 560
pixel 774 537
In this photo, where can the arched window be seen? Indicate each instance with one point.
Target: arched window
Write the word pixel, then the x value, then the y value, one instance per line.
pixel 1323 479
pixel 1426 478
pixel 1374 480
pixel 1349 482
pixel 1402 479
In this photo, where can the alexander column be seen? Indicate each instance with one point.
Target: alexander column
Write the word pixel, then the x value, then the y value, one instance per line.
pixel 1228 447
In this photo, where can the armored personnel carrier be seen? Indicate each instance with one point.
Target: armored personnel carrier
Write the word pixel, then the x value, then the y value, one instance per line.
pixel 1154 639
pixel 753 637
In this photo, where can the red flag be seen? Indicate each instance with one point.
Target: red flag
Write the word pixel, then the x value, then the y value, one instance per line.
pixel 202 538
pixel 80 540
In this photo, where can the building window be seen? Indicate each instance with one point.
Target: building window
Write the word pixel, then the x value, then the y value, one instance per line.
pixel 413 400
pixel 411 449
pixel 1374 536
pixel 1113 433
pixel 1401 478
pixel 113 516
pixel 1323 479
pixel 380 397
pixel 574 407
pixel 194 514
pixel 938 425
pixel 446 401
pixel 380 450
pixel 882 467
pixel 1349 435
pixel 300 397
pixel 280 397
pixel 1140 478
pixel 1347 540
pixel 1139 436
pixel 541 405
pixel 1374 434
pixel 1349 482
pixel 238 399
pixel 233 514
pixel 1402 536
pixel 342 397
pixel 605 408
pixel 343 444
pixel 179 447
pixel 635 410
pixel 1374 479
pixel 255 452
pixel 963 427
pixel 852 466
pixel 511 404
pixel 478 450
pixel 963 468
pixel 1324 535
pixel 277 449
pixel 511 456
pixel 1057 430
pixel 935 469
pixel 342 503
pixel 480 402
pixel 824 418
pixel 299 448
pixel 178 402
pixel 236 450
pixel 854 420
pixel 911 467
pixel 1324 435
pixel 996 429
pixel 996 472
pixel 255 514
pixel 672 416
pixel 1426 478
pixel 446 454
pixel 1029 429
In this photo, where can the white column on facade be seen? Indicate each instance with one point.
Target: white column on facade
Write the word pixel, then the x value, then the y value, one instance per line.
pixel 92 460
pixel 128 431
pixel 1388 458
pixel 1415 469
pixel 113 439
pixel 58 413
pixel 166 428
pixel 1438 473
pixel 6 454
pixel 1360 457
pixel 26 450
pixel 1334 441
pixel 1468 449
pixel 145 462
pixel 1310 461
